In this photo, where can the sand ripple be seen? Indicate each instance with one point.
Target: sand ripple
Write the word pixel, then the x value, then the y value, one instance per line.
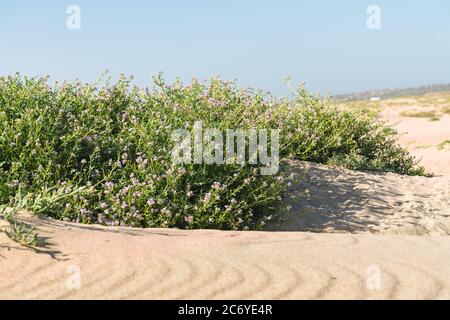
pixel 226 265
pixel 350 235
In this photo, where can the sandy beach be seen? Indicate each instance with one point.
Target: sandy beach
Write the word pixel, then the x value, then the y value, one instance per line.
pixel 186 154
pixel 83 262
pixel 425 139
pixel 352 235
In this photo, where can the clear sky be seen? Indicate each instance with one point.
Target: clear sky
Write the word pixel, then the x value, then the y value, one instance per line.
pixel 324 43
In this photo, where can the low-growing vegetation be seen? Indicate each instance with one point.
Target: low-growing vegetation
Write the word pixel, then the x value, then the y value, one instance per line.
pixel 101 153
pixel 446 110
pixel 420 114
pixel 444 144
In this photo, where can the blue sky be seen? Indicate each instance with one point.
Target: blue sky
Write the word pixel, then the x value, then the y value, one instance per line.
pixel 324 43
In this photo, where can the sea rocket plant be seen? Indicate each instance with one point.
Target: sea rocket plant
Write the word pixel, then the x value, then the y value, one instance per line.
pixel 113 145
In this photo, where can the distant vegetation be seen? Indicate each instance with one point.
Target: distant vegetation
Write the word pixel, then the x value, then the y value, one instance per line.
pixel 101 153
pixel 432 115
pixel 393 93
pixel 443 144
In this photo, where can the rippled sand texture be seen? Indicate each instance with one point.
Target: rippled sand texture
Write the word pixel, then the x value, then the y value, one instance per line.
pixel 102 263
pixel 327 199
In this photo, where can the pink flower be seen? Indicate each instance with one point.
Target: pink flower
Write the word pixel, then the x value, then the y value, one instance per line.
pixel 150 202
pixel 189 219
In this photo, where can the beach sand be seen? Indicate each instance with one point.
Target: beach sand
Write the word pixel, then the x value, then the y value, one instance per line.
pixel 422 135
pixel 348 235
pixel 85 262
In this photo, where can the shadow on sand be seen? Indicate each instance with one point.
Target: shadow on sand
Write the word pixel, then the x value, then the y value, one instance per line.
pixel 333 199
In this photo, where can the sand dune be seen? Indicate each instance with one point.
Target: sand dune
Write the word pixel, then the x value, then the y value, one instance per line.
pixel 421 135
pixel 175 264
pixel 348 235
pixel 374 256
pixel 328 199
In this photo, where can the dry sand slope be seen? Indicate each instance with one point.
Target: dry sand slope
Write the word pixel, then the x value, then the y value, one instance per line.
pixel 422 137
pixel 328 199
pixel 371 255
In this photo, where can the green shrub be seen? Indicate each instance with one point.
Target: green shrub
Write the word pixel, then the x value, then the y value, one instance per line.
pixel 107 149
